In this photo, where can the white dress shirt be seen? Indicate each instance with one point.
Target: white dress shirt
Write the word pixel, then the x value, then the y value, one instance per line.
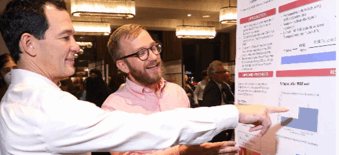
pixel 38 118
pixel 199 91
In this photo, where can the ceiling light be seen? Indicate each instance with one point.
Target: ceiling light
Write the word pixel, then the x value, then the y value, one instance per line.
pixel 195 32
pixel 85 44
pixel 189 15
pixel 91 28
pixel 228 15
pixel 120 9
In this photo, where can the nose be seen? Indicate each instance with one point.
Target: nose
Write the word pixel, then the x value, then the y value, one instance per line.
pixel 74 47
pixel 151 55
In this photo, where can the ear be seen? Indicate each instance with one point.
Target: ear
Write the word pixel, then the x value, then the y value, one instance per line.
pixel 27 44
pixel 122 66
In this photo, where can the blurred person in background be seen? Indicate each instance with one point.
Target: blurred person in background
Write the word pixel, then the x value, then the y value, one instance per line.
pixel 95 72
pixel 79 87
pixel 6 65
pixel 227 88
pixel 215 95
pixel 96 90
pixel 229 81
pixel 199 88
pixel 67 85
pixel 189 91
pixel 117 81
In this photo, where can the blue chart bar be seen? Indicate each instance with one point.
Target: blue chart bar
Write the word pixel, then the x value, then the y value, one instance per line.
pixel 316 57
pixel 308 120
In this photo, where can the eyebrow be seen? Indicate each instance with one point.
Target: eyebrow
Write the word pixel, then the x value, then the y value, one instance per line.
pixel 153 43
pixel 66 32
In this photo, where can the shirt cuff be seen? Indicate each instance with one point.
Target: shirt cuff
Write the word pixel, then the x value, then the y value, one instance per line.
pixel 229 117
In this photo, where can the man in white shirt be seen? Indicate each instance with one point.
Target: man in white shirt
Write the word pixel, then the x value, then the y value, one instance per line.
pixel 199 89
pixel 38 118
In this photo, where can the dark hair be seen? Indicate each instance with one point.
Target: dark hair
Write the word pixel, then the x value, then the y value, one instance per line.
pixel 25 16
pixel 96 72
pixel 96 90
pixel 203 74
pixel 4 58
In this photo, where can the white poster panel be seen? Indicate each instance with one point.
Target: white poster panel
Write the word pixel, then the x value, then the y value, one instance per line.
pixel 286 56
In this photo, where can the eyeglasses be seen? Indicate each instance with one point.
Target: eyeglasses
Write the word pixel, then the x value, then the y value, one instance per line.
pixel 221 72
pixel 143 54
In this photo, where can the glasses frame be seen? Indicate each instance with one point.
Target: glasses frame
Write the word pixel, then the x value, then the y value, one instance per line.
pixel 221 72
pixel 157 46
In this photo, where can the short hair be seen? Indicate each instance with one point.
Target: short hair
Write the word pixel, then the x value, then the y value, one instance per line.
pixel 212 67
pixel 128 30
pixel 203 74
pixel 25 16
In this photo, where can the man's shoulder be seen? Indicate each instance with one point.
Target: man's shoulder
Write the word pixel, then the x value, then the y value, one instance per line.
pixel 117 97
pixel 211 87
pixel 171 85
pixel 211 84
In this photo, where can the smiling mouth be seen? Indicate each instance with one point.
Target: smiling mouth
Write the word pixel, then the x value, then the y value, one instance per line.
pixel 153 65
pixel 70 59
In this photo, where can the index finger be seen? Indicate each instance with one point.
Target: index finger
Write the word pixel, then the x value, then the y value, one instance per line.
pixel 273 109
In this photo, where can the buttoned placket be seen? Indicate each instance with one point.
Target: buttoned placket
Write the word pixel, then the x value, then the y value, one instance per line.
pixel 151 97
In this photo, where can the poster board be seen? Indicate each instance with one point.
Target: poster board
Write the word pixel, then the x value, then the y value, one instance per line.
pixel 286 56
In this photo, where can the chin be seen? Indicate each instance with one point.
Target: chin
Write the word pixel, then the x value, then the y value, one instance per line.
pixel 70 72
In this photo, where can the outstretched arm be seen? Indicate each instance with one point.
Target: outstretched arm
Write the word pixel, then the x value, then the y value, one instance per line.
pixel 258 115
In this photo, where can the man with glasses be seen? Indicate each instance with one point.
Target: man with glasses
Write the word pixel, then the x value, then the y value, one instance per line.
pixel 214 94
pixel 145 90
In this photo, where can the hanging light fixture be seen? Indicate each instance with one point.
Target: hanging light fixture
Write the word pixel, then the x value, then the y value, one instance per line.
pixel 120 9
pixel 195 32
pixel 85 44
pixel 228 15
pixel 91 28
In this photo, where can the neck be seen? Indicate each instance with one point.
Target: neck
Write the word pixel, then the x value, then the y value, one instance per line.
pixel 217 82
pixel 153 87
pixel 33 67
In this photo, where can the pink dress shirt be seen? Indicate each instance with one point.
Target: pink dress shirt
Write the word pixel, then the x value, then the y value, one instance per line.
pixel 134 98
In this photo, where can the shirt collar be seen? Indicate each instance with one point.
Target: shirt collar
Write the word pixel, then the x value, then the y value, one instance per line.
pixel 159 87
pixel 20 75
pixel 218 84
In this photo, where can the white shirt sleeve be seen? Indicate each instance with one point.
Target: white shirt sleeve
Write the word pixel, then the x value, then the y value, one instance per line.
pixel 56 122
pixel 95 129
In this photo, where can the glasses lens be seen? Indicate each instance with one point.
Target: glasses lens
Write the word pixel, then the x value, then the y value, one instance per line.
pixel 158 46
pixel 143 54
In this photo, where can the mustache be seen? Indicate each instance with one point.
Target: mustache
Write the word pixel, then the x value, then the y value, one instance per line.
pixel 152 63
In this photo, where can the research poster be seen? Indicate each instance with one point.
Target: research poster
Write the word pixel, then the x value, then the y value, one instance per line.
pixel 286 56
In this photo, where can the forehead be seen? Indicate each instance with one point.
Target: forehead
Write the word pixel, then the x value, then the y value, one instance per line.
pixel 58 20
pixel 131 44
pixel 220 68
